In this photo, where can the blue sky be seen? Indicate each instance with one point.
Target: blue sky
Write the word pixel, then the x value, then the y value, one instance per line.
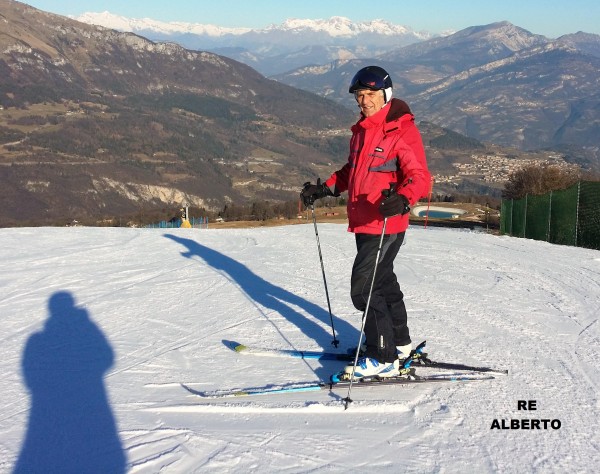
pixel 547 17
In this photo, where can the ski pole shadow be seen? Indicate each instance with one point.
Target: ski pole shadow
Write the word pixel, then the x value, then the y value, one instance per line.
pixel 71 426
pixel 271 296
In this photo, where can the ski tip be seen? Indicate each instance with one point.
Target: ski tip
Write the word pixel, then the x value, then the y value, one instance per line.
pixel 234 346
pixel 193 391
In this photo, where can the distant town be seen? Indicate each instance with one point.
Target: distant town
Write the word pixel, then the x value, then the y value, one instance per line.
pixel 495 168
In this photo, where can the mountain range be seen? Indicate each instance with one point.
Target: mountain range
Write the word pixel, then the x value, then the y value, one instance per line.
pixel 97 123
pixel 276 48
pixel 497 83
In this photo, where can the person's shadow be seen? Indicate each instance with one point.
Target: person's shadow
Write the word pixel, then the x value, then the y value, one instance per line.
pixel 71 426
pixel 274 297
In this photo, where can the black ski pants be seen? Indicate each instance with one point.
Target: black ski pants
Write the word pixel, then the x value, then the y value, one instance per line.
pixel 385 325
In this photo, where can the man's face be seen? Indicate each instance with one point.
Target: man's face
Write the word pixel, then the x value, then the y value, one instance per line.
pixel 370 102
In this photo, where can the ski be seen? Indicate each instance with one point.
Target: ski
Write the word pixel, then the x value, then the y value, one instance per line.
pixel 420 358
pixel 319 355
pixel 321 385
pixel 417 355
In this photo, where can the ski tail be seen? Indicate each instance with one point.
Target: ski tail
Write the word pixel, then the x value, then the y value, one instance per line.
pixel 419 357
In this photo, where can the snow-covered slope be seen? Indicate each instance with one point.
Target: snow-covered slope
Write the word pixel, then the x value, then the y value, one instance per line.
pixel 100 326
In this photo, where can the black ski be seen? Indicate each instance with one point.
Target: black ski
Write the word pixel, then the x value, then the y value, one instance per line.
pixel 321 385
pixel 418 357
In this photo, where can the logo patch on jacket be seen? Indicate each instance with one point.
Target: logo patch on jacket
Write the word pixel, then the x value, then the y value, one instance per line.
pixel 378 149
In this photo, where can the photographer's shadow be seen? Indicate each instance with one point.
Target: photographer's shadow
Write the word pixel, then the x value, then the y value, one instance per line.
pixel 71 425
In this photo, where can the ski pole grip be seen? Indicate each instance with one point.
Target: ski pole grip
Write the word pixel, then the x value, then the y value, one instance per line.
pixel 388 192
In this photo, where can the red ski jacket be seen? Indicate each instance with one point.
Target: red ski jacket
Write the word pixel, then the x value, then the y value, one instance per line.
pixel 385 148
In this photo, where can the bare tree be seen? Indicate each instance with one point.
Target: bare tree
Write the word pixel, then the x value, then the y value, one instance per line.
pixel 539 179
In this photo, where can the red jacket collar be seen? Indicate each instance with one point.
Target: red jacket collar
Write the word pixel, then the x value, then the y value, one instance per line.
pixel 393 114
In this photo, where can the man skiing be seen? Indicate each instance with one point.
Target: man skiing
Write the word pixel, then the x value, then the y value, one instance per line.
pixel 385 174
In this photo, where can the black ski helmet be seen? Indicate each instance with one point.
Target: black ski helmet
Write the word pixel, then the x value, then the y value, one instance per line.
pixel 374 78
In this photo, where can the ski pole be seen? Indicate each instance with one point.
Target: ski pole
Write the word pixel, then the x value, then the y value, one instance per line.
pixel 335 342
pixel 348 400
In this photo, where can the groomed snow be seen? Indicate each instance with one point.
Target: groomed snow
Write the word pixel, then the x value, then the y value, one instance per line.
pixel 152 309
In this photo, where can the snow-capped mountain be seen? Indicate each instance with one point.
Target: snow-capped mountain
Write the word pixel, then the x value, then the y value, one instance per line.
pixel 276 48
pixel 136 25
pixel 336 26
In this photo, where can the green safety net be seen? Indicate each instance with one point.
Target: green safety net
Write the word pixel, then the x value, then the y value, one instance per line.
pixel 567 217
pixel 588 223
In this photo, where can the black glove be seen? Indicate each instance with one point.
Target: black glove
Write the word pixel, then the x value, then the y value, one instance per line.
pixel 393 205
pixel 311 192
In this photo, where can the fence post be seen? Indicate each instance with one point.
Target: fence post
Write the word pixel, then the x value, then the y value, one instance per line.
pixel 549 217
pixel 525 218
pixel 511 216
pixel 577 212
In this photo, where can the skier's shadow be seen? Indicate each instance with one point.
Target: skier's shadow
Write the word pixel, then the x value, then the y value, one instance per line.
pixel 71 426
pixel 273 297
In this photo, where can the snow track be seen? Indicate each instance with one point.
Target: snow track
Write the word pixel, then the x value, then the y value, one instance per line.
pixel 165 300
